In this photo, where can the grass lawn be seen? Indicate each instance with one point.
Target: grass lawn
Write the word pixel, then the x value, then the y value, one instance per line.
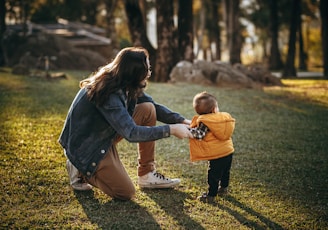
pixel 279 174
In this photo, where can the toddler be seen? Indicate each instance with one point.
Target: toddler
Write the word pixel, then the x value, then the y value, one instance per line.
pixel 212 131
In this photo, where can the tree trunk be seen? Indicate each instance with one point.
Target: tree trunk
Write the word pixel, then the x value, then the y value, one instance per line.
pixel 234 32
pixel 226 10
pixel 264 45
pixel 185 30
pixel 275 62
pixel 290 70
pixel 214 31
pixel 166 55
pixel 324 34
pixel 91 11
pixel 25 9
pixel 302 56
pixel 201 31
pixel 110 19
pixel 137 28
pixel 2 31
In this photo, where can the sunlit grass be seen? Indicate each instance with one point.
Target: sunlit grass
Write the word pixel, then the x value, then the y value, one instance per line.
pixel 305 89
pixel 279 173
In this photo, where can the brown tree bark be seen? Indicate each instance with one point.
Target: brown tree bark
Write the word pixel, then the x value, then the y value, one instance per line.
pixel 2 31
pixel 324 34
pixel 233 30
pixel 110 27
pixel 275 62
pixel 166 56
pixel 201 33
pixel 215 30
pixel 137 28
pixel 185 30
pixel 302 56
pixel 290 70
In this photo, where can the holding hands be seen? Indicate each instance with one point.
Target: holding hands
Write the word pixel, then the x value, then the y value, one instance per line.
pixel 181 130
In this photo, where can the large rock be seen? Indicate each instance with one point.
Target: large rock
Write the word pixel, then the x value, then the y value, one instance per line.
pixel 33 50
pixel 185 71
pixel 258 74
pixel 20 70
pixel 221 74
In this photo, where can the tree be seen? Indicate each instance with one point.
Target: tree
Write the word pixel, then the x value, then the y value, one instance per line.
pixel 289 69
pixel 324 34
pixel 185 30
pixel 208 29
pixel 233 30
pixel 137 28
pixel 73 10
pixel 302 56
pixel 308 13
pixel 214 29
pixel 275 61
pixel 90 11
pixel 166 56
pixel 47 11
pixel 137 25
pixel 2 31
pixel 200 27
pixel 110 22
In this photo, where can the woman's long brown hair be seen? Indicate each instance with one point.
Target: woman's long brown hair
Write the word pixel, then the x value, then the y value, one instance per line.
pixel 128 69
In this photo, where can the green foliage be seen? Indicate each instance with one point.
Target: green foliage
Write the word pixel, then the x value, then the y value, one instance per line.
pixel 315 47
pixel 124 43
pixel 74 10
pixel 46 11
pixel 279 172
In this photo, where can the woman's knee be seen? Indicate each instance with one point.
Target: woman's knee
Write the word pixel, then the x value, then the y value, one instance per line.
pixel 126 194
pixel 145 114
pixel 146 108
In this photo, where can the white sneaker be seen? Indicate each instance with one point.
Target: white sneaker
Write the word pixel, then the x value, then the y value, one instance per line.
pixel 156 180
pixel 76 180
pixel 81 186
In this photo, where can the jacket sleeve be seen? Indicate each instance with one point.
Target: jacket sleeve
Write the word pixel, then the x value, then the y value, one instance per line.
pixel 163 113
pixel 119 118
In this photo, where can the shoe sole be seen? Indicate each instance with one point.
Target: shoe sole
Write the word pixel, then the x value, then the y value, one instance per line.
pixel 154 186
pixel 82 188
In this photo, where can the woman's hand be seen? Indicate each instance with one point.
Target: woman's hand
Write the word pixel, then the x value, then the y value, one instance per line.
pixel 180 131
pixel 186 122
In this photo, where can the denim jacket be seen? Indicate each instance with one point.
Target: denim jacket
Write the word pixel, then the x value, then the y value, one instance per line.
pixel 90 130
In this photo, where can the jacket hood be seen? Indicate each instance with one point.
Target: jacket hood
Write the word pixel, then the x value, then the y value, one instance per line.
pixel 221 124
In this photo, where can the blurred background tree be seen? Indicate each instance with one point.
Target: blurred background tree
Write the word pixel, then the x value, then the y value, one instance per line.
pixel 286 36
pixel 324 34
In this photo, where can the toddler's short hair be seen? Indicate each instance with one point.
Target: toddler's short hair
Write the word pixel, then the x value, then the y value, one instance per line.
pixel 204 103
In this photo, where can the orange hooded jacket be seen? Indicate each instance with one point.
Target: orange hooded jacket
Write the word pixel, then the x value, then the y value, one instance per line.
pixel 217 143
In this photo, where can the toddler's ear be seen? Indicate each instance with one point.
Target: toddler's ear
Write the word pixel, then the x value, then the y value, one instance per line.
pixel 215 109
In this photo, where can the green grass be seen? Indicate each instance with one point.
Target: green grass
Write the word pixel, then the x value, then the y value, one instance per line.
pixel 279 172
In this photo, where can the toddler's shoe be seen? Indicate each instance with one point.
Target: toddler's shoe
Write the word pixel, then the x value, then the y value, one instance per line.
pixel 206 198
pixel 222 191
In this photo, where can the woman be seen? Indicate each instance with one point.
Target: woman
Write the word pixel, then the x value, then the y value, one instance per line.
pixel 112 105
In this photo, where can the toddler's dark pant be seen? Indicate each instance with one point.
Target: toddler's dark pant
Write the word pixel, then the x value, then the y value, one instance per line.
pixel 218 174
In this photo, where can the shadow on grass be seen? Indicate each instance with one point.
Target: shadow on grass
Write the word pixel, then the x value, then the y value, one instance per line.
pixel 115 214
pixel 173 204
pixel 269 224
